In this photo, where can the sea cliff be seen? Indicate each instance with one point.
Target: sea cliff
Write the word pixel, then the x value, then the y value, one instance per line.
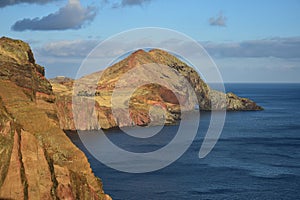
pixel 100 86
pixel 37 159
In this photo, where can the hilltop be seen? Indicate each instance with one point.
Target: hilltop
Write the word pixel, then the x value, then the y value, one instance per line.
pixel 101 85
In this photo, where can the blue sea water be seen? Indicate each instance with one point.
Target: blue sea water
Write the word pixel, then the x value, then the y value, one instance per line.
pixel 257 156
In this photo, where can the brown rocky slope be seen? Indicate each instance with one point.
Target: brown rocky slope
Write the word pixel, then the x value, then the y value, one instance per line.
pixel 37 160
pixel 145 97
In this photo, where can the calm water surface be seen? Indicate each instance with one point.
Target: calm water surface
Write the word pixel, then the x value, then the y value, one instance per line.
pixel 257 156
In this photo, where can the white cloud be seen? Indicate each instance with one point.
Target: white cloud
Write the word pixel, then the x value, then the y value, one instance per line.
pixel 219 20
pixel 274 59
pixel 134 2
pixel 272 47
pixel 71 16
pixel 259 69
pixel 68 48
pixel 4 3
pixel 125 3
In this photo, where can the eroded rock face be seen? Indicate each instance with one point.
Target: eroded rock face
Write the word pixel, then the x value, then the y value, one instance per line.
pixel 36 170
pixel 37 159
pixel 18 65
pixel 100 87
pixel 12 171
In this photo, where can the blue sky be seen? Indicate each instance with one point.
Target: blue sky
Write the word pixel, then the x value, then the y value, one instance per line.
pixel 250 41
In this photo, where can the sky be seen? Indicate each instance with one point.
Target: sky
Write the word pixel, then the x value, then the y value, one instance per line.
pixel 250 41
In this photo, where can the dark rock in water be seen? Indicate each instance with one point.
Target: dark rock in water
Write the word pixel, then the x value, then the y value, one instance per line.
pixel 235 103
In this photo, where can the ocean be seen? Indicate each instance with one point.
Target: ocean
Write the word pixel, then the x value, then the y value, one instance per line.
pixel 256 157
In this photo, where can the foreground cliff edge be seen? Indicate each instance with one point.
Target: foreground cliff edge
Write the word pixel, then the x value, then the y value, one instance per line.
pixel 37 159
pixel 99 87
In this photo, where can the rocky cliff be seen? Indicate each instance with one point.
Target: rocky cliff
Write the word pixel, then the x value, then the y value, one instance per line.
pixel 100 87
pixel 37 159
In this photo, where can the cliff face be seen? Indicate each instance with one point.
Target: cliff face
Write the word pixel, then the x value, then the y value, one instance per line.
pixel 143 99
pixel 37 159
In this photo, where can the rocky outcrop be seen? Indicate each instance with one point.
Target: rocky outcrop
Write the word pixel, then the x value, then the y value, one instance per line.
pixel 150 97
pixel 37 159
pixel 204 93
pixel 18 65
